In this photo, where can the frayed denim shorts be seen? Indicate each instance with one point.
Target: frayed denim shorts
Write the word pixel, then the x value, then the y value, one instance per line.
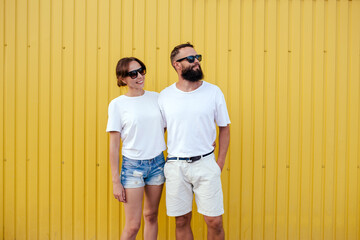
pixel 138 173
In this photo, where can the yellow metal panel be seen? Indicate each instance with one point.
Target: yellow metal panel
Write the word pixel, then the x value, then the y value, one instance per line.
pixel 56 91
pixel 209 63
pixel 67 114
pixel 127 26
pixel 289 71
pixel 186 20
pixel 33 121
pixel 282 33
pixel 9 121
pixel 78 122
pixel 270 120
pixel 318 116
pixel 174 24
pixel 151 26
pixel 306 128
pixel 139 24
pixel 353 217
pixel 246 104
pixel 234 163
pixel 341 117
pixel 91 119
pixel 44 120
pixel 330 167
pixel 20 115
pixel 162 47
pixel 101 105
pixel 199 25
pixel 294 117
pixel 2 117
pixel 259 121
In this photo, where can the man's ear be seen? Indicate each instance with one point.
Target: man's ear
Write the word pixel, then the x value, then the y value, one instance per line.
pixel 176 65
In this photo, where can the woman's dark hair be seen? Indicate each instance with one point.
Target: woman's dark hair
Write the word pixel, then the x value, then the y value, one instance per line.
pixel 122 69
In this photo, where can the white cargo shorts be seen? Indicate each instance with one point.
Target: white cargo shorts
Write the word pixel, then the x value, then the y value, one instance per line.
pixel 201 178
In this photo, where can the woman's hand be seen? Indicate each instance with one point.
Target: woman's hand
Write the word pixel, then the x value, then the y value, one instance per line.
pixel 119 192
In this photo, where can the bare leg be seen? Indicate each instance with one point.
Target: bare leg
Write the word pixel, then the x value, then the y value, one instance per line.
pixel 133 209
pixel 215 228
pixel 183 227
pixel 151 207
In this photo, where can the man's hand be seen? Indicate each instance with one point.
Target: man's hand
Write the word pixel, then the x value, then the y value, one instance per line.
pixel 221 165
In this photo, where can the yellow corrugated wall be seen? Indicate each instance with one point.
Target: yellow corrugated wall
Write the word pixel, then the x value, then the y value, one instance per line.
pixel 290 72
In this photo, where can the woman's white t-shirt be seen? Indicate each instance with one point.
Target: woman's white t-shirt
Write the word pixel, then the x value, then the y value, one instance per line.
pixel 139 121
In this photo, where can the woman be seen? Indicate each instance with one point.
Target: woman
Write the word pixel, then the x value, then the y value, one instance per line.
pixel 135 118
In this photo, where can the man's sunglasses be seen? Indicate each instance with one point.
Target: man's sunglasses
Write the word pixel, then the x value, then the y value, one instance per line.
pixel 134 73
pixel 191 59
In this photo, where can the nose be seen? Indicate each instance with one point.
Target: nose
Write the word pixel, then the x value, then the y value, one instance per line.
pixel 139 75
pixel 197 61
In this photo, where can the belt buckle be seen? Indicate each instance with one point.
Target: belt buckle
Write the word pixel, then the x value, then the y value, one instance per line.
pixel 189 161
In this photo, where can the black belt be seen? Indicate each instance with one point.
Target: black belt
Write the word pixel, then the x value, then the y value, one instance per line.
pixel 190 159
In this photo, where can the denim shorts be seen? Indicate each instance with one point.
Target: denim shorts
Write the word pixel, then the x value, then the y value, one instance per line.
pixel 138 173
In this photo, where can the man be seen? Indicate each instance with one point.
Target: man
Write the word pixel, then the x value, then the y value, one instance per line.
pixel 190 109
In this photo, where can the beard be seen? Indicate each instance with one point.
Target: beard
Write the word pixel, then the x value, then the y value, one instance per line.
pixel 192 75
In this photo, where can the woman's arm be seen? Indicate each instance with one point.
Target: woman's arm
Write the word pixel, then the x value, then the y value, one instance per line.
pixel 118 189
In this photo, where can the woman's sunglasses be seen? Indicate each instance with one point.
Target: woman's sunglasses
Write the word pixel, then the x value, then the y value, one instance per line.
pixel 134 73
pixel 191 59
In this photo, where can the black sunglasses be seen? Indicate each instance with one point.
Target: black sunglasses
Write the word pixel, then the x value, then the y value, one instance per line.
pixel 134 73
pixel 191 59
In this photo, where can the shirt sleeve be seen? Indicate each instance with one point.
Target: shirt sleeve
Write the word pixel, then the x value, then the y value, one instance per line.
pixel 162 111
pixel 221 114
pixel 114 121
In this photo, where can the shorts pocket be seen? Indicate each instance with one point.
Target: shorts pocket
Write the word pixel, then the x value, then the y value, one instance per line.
pixel 167 169
pixel 131 163
pixel 218 170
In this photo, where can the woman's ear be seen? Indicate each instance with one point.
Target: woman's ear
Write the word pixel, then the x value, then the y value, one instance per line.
pixel 121 82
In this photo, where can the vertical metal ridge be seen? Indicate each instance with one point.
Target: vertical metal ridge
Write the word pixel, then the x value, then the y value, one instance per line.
pixel 73 124
pixel 348 122
pixel 253 32
pixel 312 103
pixel 301 112
pixel 289 83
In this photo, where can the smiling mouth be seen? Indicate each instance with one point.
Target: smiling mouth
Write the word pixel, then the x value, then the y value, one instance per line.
pixel 140 82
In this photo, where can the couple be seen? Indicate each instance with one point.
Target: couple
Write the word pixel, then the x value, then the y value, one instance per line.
pixel 188 109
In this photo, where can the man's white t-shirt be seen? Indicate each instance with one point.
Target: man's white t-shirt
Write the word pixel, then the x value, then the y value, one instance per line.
pixel 191 118
pixel 139 121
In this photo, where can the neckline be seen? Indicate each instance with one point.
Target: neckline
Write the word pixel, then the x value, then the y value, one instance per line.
pixel 193 91
pixel 135 97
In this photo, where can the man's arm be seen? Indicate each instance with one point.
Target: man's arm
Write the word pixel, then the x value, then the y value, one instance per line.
pixel 224 139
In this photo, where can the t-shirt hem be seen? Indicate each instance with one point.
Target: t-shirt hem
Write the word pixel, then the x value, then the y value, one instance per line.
pixel 143 158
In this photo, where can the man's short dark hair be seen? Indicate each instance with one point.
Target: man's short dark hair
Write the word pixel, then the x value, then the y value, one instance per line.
pixel 176 50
